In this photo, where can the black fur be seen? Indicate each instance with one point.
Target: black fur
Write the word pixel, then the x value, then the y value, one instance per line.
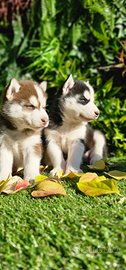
pixel 56 112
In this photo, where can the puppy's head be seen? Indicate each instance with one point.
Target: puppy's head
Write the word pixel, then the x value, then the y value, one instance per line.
pixel 24 104
pixel 78 99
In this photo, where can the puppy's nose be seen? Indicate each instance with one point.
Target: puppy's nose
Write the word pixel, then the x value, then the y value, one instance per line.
pixel 97 113
pixel 45 121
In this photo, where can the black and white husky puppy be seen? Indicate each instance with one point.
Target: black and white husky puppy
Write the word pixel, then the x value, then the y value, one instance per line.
pixel 69 134
pixel 22 117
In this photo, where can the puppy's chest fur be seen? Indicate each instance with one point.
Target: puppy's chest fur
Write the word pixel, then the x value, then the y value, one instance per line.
pixel 66 134
pixel 18 142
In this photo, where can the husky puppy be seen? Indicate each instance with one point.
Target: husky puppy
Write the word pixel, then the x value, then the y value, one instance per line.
pixel 69 134
pixel 22 118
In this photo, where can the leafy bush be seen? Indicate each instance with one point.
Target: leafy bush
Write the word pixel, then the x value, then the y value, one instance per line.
pixel 112 120
pixel 63 37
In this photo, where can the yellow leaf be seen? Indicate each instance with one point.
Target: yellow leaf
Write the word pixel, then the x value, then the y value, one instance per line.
pixel 69 175
pixel 95 188
pixel 40 178
pixel 47 188
pixel 117 174
pixel 3 184
pixel 78 174
pixel 60 173
pixel 86 177
pixel 100 178
pixel 98 165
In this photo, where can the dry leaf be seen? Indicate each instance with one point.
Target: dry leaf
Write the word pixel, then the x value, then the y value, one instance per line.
pixel 117 174
pixel 10 184
pixel 96 188
pixel 47 188
pixel 98 165
pixel 42 168
pixel 54 179
pixel 3 184
pixel 87 177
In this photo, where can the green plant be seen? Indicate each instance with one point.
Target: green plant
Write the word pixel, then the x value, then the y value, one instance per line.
pixel 112 120
pixel 63 37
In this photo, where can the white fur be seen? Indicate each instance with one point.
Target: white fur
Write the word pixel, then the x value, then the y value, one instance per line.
pixel 68 137
pixel 77 112
pixel 20 154
pixel 33 100
pixel 18 146
pixel 97 151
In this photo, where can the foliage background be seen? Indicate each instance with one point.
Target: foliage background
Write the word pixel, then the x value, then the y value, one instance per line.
pixel 49 39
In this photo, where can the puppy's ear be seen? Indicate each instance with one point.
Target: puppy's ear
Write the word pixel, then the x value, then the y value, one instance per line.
pixel 43 85
pixel 68 84
pixel 12 89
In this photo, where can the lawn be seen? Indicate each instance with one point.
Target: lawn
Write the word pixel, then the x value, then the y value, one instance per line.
pixel 63 232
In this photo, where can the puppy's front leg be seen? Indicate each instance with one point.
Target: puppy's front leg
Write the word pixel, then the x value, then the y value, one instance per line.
pixel 99 150
pixel 75 153
pixel 6 162
pixel 56 157
pixel 31 160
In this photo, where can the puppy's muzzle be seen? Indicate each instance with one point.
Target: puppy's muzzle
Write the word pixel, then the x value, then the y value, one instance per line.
pixel 45 121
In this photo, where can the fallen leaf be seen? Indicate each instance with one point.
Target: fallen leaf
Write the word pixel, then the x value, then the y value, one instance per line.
pixel 42 168
pixel 10 184
pixel 47 188
pixel 3 184
pixel 69 175
pixel 117 174
pixel 87 177
pixel 96 188
pixel 21 184
pixel 54 179
pixel 100 178
pixel 60 173
pixel 98 165
pixel 40 178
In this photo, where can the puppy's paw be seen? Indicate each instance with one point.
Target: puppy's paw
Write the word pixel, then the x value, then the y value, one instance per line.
pixel 54 172
pixel 94 159
pixel 32 181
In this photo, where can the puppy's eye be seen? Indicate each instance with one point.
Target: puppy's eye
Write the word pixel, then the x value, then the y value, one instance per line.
pixel 29 106
pixel 83 100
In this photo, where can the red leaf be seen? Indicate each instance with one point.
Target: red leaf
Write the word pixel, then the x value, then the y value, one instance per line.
pixel 22 183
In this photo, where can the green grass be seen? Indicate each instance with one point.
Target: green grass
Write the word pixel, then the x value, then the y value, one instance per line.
pixel 63 232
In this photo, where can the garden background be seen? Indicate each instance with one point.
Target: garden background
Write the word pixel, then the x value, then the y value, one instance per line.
pixel 49 39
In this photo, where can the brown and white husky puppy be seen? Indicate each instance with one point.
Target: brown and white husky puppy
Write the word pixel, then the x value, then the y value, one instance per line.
pixel 22 118
pixel 69 134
